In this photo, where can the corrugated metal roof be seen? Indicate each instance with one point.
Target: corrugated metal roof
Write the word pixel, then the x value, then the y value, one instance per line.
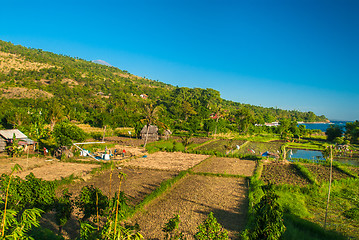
pixel 9 133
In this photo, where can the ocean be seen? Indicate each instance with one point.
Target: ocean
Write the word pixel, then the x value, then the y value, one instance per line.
pixel 323 126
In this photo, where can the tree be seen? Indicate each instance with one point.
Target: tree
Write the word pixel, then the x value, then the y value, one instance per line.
pixel 333 131
pixel 352 131
pixel 244 118
pixel 284 128
pixel 65 132
pixel 55 113
pixel 150 116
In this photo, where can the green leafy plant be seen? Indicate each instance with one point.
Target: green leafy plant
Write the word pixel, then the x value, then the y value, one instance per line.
pixel 91 201
pixel 211 229
pixel 14 149
pixel 65 132
pixel 268 213
pixel 171 228
pixel 29 193
pixel 63 208
pixel 14 169
pixel 17 226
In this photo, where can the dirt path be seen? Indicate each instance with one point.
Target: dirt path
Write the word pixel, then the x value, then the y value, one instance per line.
pixel 193 198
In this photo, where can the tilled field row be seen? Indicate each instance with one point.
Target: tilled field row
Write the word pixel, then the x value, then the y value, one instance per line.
pixel 193 198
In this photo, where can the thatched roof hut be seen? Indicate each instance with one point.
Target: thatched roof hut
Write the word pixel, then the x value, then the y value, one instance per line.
pixel 152 133
pixel 166 134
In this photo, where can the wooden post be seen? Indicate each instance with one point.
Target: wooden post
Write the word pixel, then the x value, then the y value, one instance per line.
pixel 330 183
pixel 103 136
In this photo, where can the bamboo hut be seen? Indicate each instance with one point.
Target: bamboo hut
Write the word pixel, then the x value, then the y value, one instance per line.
pixel 152 132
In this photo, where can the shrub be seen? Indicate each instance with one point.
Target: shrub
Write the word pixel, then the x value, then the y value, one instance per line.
pixel 211 229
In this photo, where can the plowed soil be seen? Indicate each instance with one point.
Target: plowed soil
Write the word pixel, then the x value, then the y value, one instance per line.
pixel 279 173
pixel 322 172
pixel 176 161
pixel 46 168
pixel 226 166
pixel 193 198
pixel 138 183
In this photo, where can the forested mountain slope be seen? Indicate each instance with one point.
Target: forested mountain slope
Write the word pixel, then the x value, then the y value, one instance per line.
pixel 57 87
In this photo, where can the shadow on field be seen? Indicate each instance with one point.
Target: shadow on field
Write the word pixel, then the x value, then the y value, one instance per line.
pixel 233 220
pixel 298 229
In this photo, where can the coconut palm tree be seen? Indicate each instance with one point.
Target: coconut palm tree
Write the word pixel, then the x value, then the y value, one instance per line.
pixel 150 116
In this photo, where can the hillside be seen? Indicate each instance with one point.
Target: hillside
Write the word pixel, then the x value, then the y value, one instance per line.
pixel 63 87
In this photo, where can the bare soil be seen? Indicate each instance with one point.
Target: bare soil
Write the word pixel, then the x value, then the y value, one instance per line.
pixel 58 170
pixel 176 161
pixel 322 173
pixel 19 92
pixel 12 61
pixel 46 168
pixel 137 185
pixel 226 166
pixel 279 173
pixel 126 141
pixel 193 198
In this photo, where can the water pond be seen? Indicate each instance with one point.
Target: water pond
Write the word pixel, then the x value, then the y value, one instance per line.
pixel 316 156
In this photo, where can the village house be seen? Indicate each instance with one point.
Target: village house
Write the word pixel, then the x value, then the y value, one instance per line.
pixel 152 133
pixel 7 137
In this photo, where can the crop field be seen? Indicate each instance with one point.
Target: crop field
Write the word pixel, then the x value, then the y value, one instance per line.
pixel 221 145
pixel 257 148
pixel 279 173
pixel 354 170
pixel 233 166
pixel 47 168
pixel 193 198
pixel 138 183
pixel 212 184
pixel 322 172
pixel 176 161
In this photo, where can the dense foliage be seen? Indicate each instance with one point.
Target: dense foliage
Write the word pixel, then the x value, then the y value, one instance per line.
pixel 79 90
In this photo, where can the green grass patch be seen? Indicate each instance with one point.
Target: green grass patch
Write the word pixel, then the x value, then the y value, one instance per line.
pixel 166 146
pixel 164 187
pixel 345 169
pixel 303 170
pixel 293 201
pixel 299 229
pixel 217 174
pixel 310 145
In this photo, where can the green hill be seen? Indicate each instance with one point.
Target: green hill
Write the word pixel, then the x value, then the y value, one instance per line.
pixel 62 87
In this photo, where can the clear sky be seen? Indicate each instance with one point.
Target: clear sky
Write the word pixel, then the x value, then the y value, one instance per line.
pixel 291 54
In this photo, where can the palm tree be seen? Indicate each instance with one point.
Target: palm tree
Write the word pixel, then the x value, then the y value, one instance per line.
pixel 150 116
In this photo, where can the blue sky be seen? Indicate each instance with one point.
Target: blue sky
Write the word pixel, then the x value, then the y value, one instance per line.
pixel 296 55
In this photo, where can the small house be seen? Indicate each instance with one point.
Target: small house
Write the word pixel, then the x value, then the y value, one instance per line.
pixel 166 134
pixel 152 132
pixel 7 137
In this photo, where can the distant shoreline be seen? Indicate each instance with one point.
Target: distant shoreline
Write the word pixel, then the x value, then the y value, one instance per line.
pixel 329 122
